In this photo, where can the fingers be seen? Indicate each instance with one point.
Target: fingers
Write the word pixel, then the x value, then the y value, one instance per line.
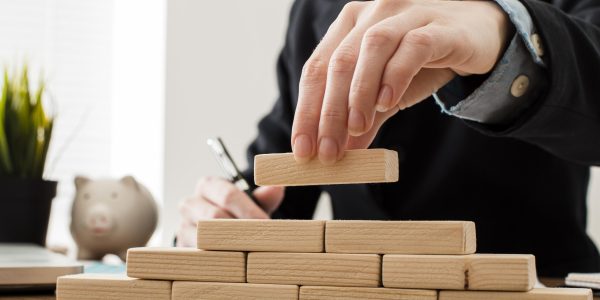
pixel 378 45
pixel 425 83
pixel 216 198
pixel 338 118
pixel 228 197
pixel 418 47
pixel 186 235
pixel 312 85
pixel 332 131
pixel 269 196
pixel 192 210
pixel 196 208
pixel 362 70
pixel 352 84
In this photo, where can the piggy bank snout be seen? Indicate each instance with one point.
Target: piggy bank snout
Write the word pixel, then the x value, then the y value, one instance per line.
pixel 99 220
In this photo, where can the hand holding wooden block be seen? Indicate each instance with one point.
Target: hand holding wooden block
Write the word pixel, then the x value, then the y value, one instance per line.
pixel 116 287
pixel 330 269
pixel 188 290
pixel 400 237
pixel 261 235
pixel 357 166
pixel 497 272
pixel 186 264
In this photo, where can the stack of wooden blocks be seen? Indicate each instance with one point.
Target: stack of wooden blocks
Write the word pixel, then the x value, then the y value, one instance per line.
pixel 294 259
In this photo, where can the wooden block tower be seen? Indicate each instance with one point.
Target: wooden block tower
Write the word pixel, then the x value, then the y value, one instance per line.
pixel 309 259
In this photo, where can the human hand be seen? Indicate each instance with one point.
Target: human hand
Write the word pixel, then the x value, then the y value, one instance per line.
pixel 382 56
pixel 216 198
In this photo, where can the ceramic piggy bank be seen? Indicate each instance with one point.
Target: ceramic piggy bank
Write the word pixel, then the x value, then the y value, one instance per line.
pixel 111 216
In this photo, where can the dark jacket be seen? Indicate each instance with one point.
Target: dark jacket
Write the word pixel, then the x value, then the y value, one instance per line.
pixel 525 185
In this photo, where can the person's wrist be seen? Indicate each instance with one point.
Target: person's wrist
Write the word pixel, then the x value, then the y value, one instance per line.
pixel 506 29
pixel 503 28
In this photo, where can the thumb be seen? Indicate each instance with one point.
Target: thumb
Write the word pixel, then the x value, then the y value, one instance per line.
pixel 269 196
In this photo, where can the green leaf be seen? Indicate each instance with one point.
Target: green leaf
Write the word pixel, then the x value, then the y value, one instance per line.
pixel 25 129
pixel 5 162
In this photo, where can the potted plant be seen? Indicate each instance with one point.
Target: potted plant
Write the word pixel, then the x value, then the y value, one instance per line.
pixel 25 132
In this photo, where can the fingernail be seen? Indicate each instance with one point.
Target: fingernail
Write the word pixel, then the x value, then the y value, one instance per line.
pixel 356 122
pixel 384 100
pixel 328 151
pixel 302 148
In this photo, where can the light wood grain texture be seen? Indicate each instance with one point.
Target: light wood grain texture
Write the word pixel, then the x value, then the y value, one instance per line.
pixel 186 290
pixel 400 237
pixel 501 272
pixel 535 294
pixel 328 269
pixel 114 287
pixel 262 235
pixel 186 264
pixel 494 272
pixel 424 272
pixel 357 166
pixel 361 293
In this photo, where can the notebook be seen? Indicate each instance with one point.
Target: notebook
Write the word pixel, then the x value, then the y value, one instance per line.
pixel 32 267
pixel 585 280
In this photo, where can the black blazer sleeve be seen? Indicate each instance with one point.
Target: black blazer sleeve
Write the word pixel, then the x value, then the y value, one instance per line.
pixel 274 130
pixel 565 119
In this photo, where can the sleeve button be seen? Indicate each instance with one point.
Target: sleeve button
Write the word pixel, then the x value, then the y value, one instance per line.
pixel 537 44
pixel 519 86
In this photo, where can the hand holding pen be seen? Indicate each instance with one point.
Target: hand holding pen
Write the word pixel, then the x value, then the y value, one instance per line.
pixel 216 197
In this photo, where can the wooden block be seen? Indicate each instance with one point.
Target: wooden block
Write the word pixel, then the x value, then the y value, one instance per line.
pixel 359 270
pixel 187 290
pixel 494 272
pixel 535 294
pixel 424 272
pixel 261 235
pixel 400 237
pixel 501 272
pixel 357 166
pixel 186 264
pixel 114 287
pixel 361 293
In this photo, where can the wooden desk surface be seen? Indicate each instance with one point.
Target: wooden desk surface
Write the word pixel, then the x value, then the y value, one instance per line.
pixel 28 297
pixel 550 282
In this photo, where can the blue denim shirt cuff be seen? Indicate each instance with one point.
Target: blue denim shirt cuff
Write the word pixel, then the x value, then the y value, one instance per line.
pixel 519 16
pixel 492 102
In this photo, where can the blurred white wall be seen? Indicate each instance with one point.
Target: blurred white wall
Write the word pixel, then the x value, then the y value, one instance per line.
pixel 138 79
pixel 220 80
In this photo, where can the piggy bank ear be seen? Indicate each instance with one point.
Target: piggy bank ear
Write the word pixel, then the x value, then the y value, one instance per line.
pixel 81 181
pixel 130 182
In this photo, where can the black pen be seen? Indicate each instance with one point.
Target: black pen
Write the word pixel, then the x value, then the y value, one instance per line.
pixel 230 168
